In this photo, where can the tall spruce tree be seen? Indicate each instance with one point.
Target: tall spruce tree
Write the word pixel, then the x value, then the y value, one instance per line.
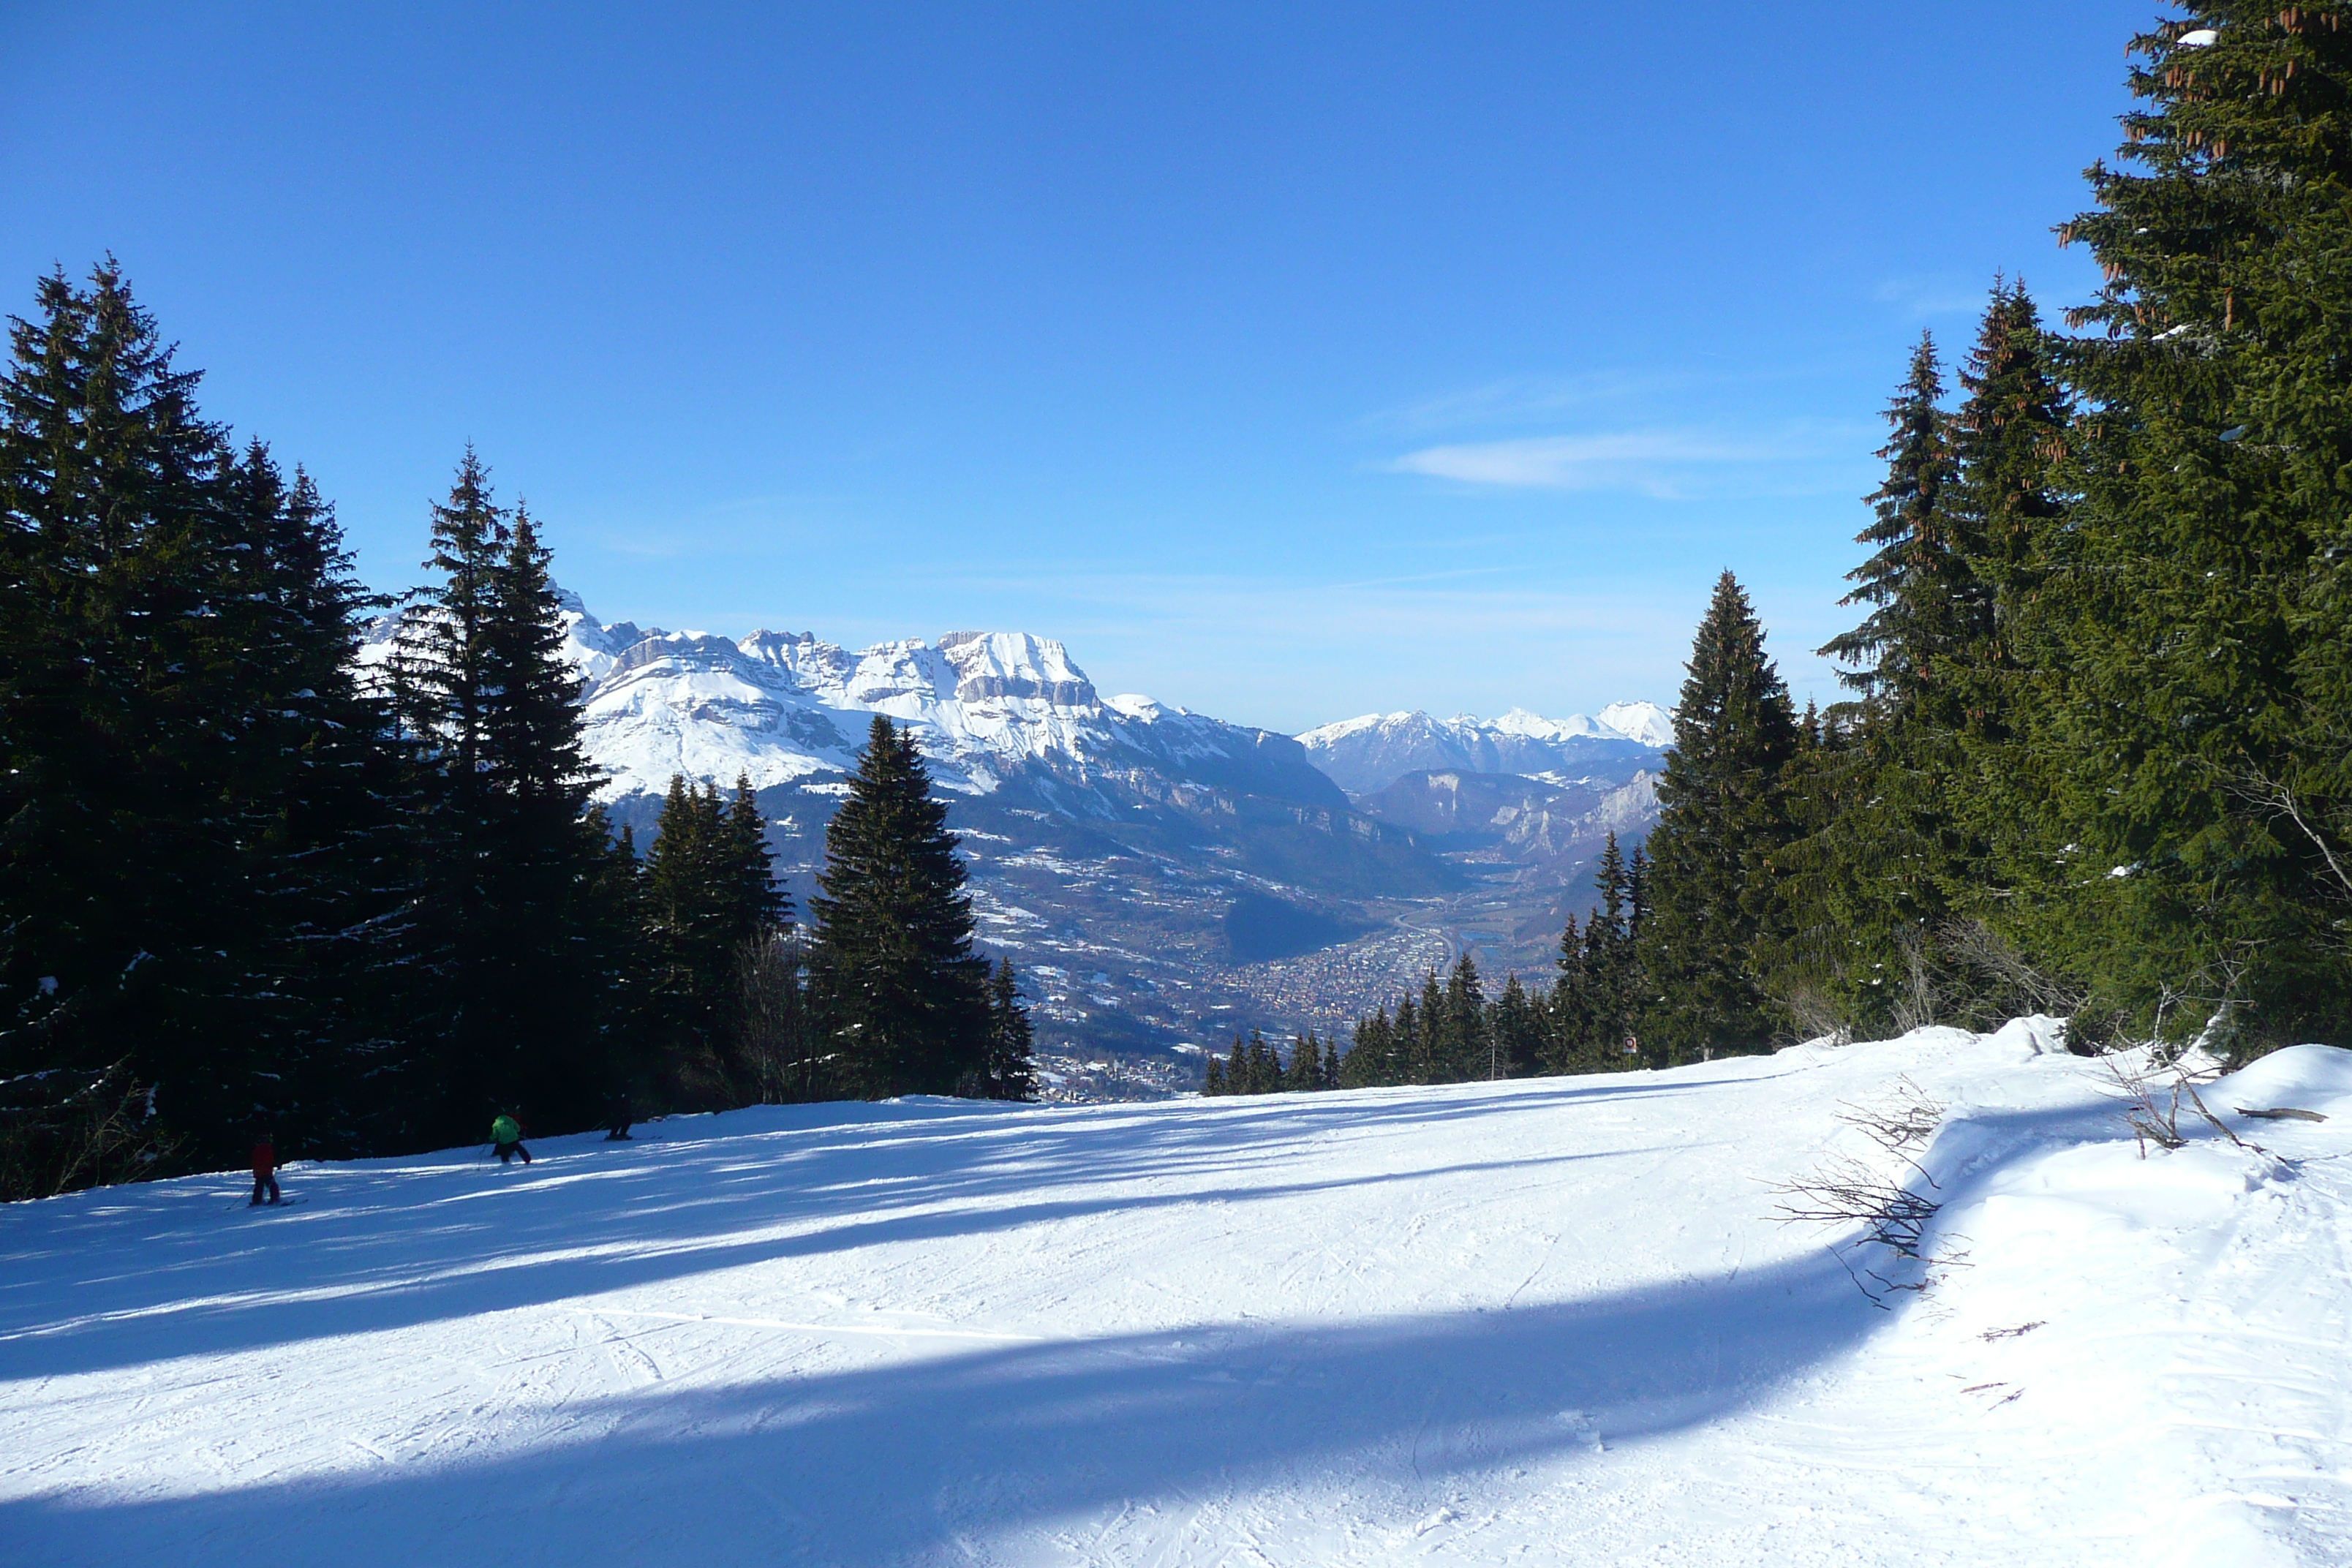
pixel 1910 580
pixel 712 895
pixel 1873 853
pixel 903 996
pixel 1722 815
pixel 2199 601
pixel 185 780
pixel 1010 1069
pixel 513 937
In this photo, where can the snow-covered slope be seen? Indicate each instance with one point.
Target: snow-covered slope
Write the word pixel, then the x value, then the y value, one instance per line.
pixel 1548 1321
pixel 1366 754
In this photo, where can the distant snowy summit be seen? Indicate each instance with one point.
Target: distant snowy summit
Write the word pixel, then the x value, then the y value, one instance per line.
pixel 1368 754
pixel 790 709
pixel 786 708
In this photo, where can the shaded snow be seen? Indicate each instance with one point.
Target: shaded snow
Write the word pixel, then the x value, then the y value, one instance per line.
pixel 1537 1321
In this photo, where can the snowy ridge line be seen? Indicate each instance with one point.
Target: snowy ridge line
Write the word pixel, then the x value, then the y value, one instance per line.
pixel 790 709
pixel 1366 754
pixel 815 1328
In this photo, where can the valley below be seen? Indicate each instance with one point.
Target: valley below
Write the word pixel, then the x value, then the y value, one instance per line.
pixel 1164 881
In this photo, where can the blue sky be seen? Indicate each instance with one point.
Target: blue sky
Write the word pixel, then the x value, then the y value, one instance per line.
pixel 1285 362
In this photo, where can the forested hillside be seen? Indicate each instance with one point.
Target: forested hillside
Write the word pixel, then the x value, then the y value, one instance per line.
pixel 2094 759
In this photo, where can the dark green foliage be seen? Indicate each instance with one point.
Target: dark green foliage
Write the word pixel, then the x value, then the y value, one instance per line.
pixel 1597 998
pixel 242 881
pixel 1306 1068
pixel 1010 1070
pixel 1256 1067
pixel 1449 1034
pixel 1722 817
pixel 1907 580
pixel 190 825
pixel 711 906
pixel 1894 800
pixel 902 996
pixel 513 941
pixel 1516 1032
pixel 2195 614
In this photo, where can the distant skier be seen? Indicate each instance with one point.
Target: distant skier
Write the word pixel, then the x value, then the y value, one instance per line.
pixel 506 1133
pixel 617 1117
pixel 265 1168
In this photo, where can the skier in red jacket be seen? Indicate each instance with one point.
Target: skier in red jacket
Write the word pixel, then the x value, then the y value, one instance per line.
pixel 265 1167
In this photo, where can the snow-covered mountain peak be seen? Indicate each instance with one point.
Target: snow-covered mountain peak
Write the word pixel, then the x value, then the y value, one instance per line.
pixel 1643 721
pixel 1325 733
pixel 1143 709
pixel 782 708
pixel 1366 753
pixel 1015 664
pixel 1519 722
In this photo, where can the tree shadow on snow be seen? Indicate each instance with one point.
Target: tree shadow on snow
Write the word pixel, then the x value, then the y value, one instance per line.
pixel 936 1457
pixel 126 1276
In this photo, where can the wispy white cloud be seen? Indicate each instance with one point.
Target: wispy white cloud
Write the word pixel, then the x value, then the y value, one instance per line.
pixel 1522 399
pixel 1667 463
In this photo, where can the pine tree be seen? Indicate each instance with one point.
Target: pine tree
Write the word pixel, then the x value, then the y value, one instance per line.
pixel 1568 1012
pixel 1721 817
pixel 714 909
pixel 508 922
pixel 1265 1070
pixel 1010 1071
pixel 1515 1032
pixel 759 899
pixel 1371 1057
pixel 1469 1054
pixel 1305 1060
pixel 1908 581
pixel 317 801
pixel 1432 1042
pixel 1596 1000
pixel 1214 1080
pixel 1875 853
pixel 903 996
pixel 188 820
pixel 2198 603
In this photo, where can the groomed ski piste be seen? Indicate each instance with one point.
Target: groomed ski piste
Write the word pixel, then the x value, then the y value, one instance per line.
pixel 1537 1321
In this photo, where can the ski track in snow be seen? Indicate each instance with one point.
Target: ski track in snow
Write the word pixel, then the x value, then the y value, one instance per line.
pixel 1544 1322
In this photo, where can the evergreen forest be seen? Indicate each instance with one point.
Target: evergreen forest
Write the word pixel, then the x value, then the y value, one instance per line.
pixel 2093 759
pixel 2094 755
pixel 248 883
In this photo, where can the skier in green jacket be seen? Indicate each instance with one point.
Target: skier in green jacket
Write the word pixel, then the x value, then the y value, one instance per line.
pixel 506 1133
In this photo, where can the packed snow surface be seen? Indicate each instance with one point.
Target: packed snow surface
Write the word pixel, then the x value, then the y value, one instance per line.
pixel 1547 1321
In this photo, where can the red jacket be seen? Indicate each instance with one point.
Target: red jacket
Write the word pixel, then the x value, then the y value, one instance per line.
pixel 265 1157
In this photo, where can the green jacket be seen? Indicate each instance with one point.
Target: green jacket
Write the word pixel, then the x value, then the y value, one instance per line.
pixel 504 1130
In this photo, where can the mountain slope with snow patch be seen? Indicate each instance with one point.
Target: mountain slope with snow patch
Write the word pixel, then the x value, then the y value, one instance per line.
pixel 1365 755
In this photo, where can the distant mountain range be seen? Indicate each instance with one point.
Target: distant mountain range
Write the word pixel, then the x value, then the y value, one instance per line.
pixel 1162 876
pixel 1363 755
